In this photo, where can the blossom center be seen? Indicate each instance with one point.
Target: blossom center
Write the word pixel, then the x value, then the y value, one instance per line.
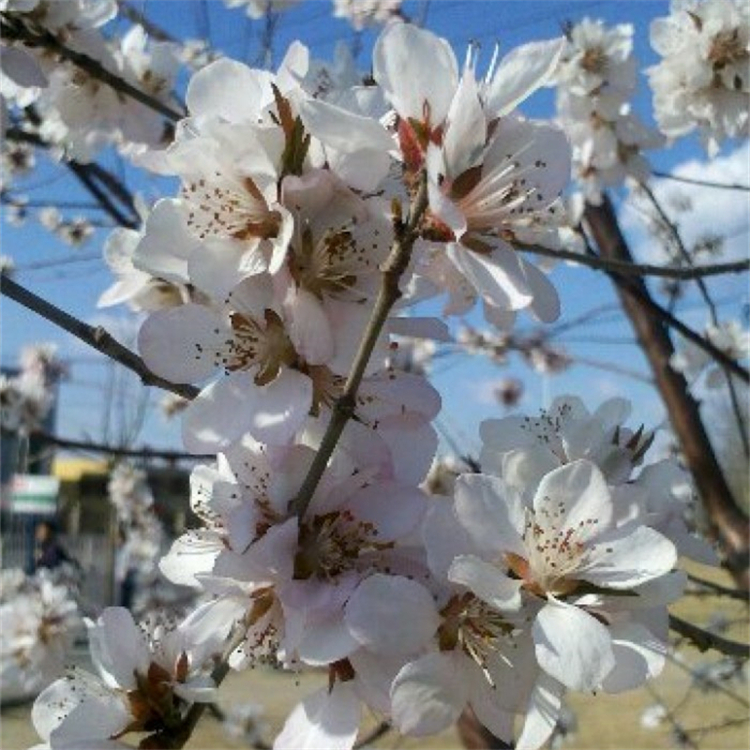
pixel 331 544
pixel 226 208
pixel 267 347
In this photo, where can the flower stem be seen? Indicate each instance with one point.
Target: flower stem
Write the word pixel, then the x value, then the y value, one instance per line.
pixel 389 293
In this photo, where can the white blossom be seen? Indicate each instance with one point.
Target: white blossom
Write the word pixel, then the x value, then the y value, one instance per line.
pixel 702 80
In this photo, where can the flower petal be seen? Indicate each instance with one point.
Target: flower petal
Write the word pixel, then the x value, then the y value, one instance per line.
pixel 491 512
pixel 541 714
pixel 428 695
pixel 621 563
pixel 575 496
pixel 520 73
pixel 414 67
pixel 487 582
pixel 572 646
pixel 391 614
pixel 325 719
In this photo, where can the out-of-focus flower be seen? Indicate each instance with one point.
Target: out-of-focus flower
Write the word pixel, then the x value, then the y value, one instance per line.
pixel 692 361
pixel 702 81
pixel 362 13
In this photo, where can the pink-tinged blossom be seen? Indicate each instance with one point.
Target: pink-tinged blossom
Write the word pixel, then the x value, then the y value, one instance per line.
pixel 522 449
pixel 493 178
pixel 564 549
pixel 146 681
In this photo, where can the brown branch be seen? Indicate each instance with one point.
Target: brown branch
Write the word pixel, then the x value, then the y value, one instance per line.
pixel 729 522
pixel 13 31
pixel 374 735
pixel 388 295
pixel 90 175
pixel 94 336
pixel 704 640
pixel 629 268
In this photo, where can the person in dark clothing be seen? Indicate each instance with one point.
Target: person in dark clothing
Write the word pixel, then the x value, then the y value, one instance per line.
pixel 48 552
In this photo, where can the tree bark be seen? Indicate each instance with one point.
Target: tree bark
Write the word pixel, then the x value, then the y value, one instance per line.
pixel 729 523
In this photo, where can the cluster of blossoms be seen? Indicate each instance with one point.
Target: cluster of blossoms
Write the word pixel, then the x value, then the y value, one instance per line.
pixel 279 235
pixel 280 275
pixel 360 13
pixel 549 570
pixel 693 362
pixel 595 81
pixel 139 529
pixel 703 79
pixel 536 350
pixel 74 232
pixel 38 622
pixel 26 398
pixel 363 13
pixel 76 112
pixel 147 678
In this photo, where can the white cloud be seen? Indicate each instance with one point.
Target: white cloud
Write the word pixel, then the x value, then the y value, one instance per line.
pixel 714 211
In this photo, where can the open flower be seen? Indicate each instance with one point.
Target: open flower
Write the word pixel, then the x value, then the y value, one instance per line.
pixel 146 682
pixel 493 178
pixel 558 547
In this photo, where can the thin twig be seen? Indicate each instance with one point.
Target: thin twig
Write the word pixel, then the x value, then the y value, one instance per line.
pixel 85 178
pixel 134 15
pixel 637 269
pixel 94 336
pixel 703 183
pixel 18 32
pixel 113 450
pixel 388 295
pixel 634 288
pixel 719 589
pixel 600 364
pixel 715 684
pixel 712 311
pixel 704 640
pixel 90 175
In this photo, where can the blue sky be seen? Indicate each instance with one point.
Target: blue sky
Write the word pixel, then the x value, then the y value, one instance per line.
pixel 465 383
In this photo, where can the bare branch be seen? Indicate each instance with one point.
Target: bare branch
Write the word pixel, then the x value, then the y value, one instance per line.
pixel 704 640
pixel 19 32
pixel 90 176
pixel 95 337
pixel 638 269
pixel 703 183
pixel 84 176
pixel 134 15
pixel 729 523
pixel 373 736
pixel 713 313
pixel 720 590
pixel 113 450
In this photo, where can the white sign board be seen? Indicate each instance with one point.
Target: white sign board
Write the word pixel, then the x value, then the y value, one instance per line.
pixel 30 493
